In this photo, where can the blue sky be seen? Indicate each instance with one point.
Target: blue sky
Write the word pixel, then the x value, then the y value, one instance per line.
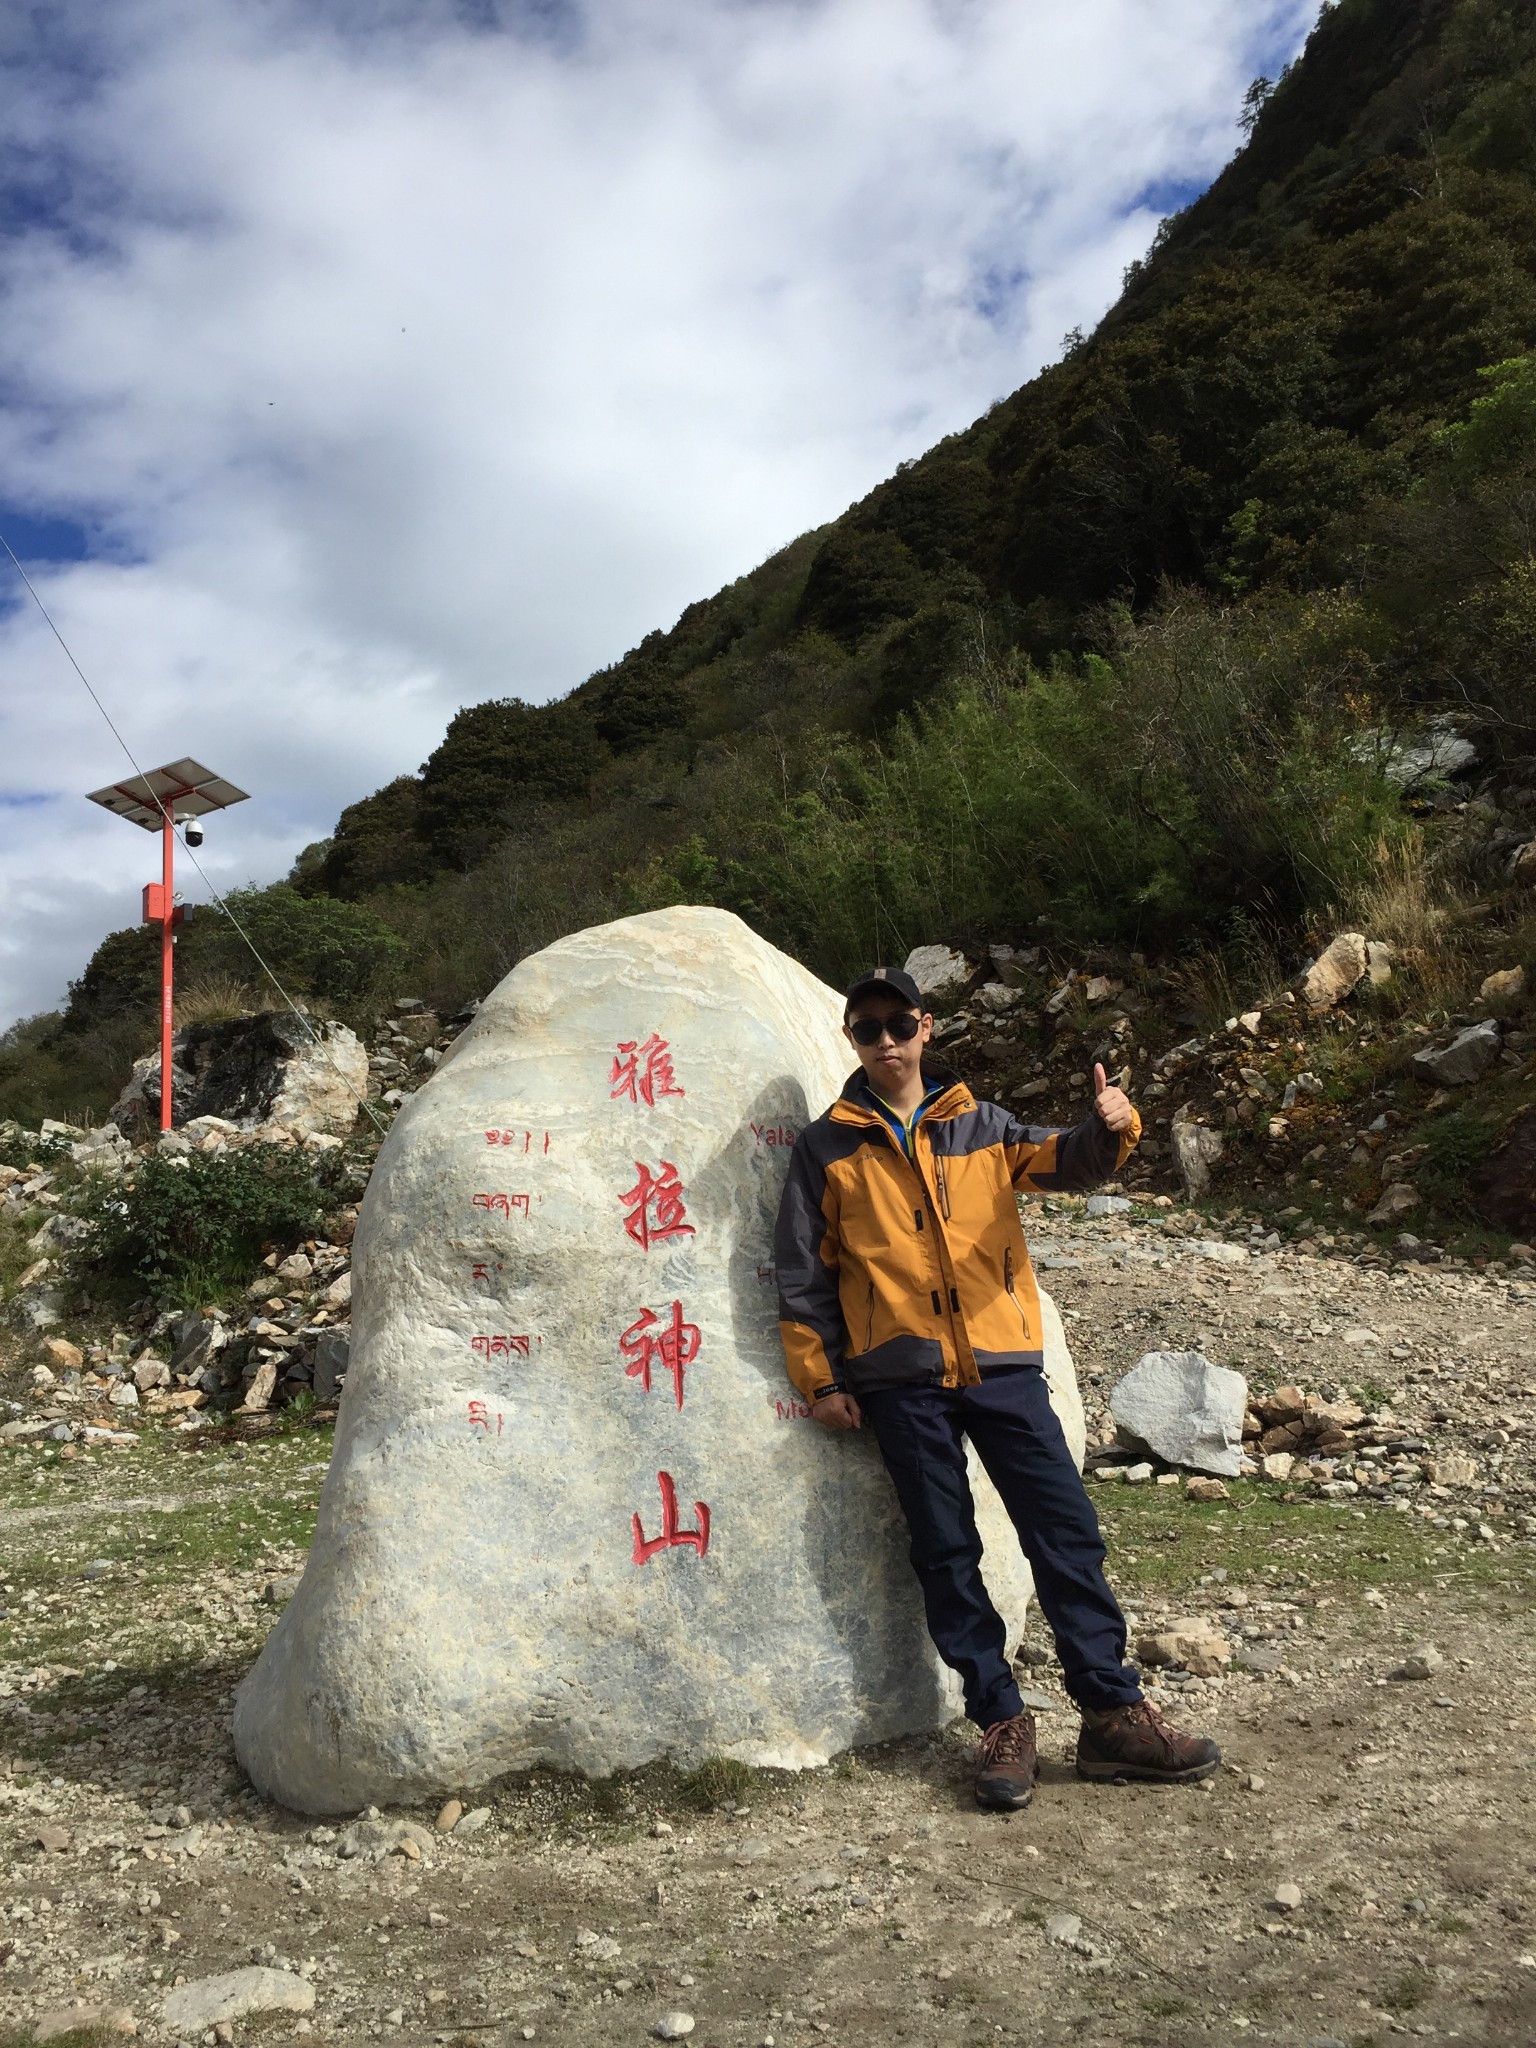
pixel 364 358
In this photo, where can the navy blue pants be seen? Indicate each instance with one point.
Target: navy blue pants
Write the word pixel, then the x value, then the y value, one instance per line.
pixel 1009 1419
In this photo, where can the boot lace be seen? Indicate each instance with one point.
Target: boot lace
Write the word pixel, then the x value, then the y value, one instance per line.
pixel 1008 1742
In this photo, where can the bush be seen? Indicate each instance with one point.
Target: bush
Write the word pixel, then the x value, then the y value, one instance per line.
pixel 188 1229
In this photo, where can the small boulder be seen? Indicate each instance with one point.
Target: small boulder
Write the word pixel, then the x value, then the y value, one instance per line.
pixel 1287 1897
pixel 1466 1059
pixel 1396 1202
pixel 1193 1643
pixel 941 974
pixel 1335 971
pixel 1187 1410
pixel 1507 986
pixel 66 1356
pixel 191 2009
pixel 1206 1490
pixel 1452 1470
pixel 1277 1464
pixel 332 1350
pixel 373 1840
pixel 1422 1663
pixel 1522 865
pixel 1196 1149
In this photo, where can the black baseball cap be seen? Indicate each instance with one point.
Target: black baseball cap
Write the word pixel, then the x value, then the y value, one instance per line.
pixel 892 980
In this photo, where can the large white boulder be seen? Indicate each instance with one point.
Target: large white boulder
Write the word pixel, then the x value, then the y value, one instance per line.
pixel 575 1516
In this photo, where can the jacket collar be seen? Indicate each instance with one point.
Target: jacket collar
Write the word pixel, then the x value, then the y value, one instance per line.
pixel 857 1105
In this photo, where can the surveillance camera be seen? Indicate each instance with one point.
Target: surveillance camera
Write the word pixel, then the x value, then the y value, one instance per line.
pixel 193 831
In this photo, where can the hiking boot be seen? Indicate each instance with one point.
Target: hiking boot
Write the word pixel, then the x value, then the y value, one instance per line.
pixel 1136 1742
pixel 1005 1770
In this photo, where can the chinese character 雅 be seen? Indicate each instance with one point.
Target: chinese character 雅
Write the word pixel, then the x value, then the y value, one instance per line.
pixel 642 1072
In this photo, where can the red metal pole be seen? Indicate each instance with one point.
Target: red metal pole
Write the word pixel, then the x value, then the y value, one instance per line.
pixel 167 944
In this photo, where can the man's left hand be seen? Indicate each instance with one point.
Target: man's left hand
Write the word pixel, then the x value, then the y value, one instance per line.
pixel 1112 1104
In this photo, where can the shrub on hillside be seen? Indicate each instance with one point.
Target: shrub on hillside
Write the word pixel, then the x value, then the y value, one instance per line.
pixel 317 946
pixel 187 1230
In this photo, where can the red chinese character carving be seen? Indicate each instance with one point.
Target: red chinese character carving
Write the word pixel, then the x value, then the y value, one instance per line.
pixel 655 1205
pixel 480 1418
pixel 673 1345
pixel 671 1537
pixel 642 1072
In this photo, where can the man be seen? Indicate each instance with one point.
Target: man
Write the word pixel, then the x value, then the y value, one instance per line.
pixel 907 1301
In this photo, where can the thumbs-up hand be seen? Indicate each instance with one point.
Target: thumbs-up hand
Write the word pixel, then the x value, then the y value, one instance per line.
pixel 1112 1104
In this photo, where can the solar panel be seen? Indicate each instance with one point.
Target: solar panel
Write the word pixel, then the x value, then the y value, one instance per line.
pixel 186 788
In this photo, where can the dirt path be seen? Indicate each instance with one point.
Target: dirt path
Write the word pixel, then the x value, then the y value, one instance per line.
pixel 869 1902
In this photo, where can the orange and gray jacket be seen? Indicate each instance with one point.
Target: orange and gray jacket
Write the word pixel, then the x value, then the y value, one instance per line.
pixel 913 1272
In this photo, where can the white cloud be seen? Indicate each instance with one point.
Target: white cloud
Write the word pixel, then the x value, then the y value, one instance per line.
pixel 409 363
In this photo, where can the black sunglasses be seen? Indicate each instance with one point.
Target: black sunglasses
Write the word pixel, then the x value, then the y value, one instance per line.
pixel 903 1025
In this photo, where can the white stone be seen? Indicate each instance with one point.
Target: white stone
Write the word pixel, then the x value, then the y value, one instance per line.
pixel 1223 1253
pixel 1507 986
pixel 941 973
pixel 1064 1927
pixel 1278 1464
pixel 1196 1149
pixel 1466 1059
pixel 1335 971
pixel 1396 1202
pixel 1422 1663
pixel 1187 1410
pixel 124 1395
pixel 673 2026
pixel 472 1602
pixel 1287 1897
pixel 192 2008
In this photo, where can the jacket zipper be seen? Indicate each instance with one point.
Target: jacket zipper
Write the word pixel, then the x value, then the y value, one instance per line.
pixel 942 1181
pixel 869 1329
pixel 1008 1283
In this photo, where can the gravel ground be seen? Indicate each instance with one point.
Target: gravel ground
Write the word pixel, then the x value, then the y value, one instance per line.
pixel 867 1902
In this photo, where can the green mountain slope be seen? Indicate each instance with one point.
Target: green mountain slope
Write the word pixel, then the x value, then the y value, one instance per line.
pixel 1122 660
